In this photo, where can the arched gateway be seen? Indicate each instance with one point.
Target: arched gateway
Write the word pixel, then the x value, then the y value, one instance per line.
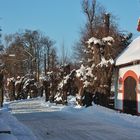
pixel 130 101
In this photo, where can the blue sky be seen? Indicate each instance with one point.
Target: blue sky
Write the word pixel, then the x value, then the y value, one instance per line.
pixel 61 19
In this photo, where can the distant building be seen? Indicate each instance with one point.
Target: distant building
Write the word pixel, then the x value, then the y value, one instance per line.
pixel 127 87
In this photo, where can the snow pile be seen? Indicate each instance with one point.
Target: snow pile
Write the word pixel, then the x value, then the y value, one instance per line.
pixel 18 130
pixel 96 111
pixel 105 115
pixel 130 54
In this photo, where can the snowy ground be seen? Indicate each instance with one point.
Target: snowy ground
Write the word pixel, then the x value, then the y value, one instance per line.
pixel 56 122
pixel 10 123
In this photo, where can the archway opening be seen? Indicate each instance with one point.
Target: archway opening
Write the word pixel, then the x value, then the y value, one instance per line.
pixel 130 102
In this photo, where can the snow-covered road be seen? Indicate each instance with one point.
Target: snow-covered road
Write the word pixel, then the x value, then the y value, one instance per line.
pixel 51 122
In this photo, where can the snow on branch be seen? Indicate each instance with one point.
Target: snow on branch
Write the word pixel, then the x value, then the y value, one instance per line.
pixel 81 72
pixel 109 40
pixel 95 41
pixel 86 83
pixel 105 62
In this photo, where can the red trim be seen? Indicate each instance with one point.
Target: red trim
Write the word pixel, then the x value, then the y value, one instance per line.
pixel 139 79
pixel 130 73
pixel 134 75
pixel 120 80
pixel 120 91
pixel 138 91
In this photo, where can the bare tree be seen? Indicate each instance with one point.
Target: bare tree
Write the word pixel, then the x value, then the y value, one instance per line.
pixel 53 59
pixel 64 57
pixel 48 50
pixel 89 11
pixel 93 12
pixel 29 48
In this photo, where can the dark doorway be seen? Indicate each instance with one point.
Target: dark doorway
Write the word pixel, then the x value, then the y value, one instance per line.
pixel 130 103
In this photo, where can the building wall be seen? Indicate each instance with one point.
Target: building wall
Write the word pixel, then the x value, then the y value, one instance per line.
pixel 123 72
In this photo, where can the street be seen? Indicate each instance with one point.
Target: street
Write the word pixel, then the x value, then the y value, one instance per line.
pixel 50 123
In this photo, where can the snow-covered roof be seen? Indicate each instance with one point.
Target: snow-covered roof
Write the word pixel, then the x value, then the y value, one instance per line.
pixel 130 54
